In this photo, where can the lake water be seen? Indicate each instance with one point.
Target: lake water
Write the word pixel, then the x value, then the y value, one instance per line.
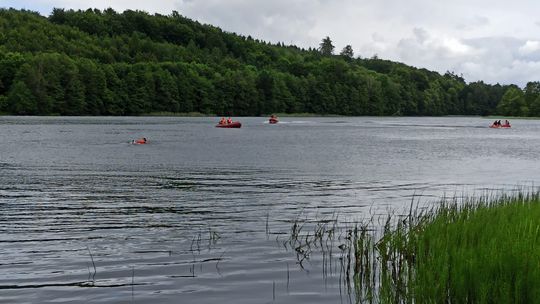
pixel 202 214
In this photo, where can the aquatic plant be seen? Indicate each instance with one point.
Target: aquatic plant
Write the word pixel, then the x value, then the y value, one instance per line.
pixel 471 250
pixel 477 251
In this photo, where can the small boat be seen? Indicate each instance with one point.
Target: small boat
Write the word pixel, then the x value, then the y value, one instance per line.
pixel 273 119
pixel 501 126
pixel 140 141
pixel 234 124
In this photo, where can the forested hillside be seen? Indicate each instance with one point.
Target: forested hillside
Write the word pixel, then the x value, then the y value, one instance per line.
pixel 108 63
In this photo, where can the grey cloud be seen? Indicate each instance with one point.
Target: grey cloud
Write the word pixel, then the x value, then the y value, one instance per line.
pixel 473 23
pixel 264 20
pixel 491 59
pixel 420 34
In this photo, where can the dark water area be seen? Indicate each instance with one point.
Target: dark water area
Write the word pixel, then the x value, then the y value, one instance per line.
pixel 202 214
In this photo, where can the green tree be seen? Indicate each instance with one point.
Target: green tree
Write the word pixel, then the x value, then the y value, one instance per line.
pixel 513 103
pixel 20 100
pixel 166 98
pixel 3 104
pixel 534 107
pixel 9 64
pixel 95 86
pixel 115 95
pixel 347 52
pixel 532 93
pixel 137 94
pixel 283 99
pixel 326 47
pixel 74 94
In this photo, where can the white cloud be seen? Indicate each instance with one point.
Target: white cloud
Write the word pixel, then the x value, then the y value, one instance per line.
pixel 455 47
pixel 434 50
pixel 530 46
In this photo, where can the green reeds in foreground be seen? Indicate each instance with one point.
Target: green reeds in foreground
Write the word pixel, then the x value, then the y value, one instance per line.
pixel 482 250
pixel 478 251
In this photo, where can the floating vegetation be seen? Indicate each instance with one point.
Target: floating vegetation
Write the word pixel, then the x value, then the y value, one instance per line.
pixel 476 250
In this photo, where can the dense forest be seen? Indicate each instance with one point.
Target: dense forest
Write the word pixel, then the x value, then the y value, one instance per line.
pixel 96 62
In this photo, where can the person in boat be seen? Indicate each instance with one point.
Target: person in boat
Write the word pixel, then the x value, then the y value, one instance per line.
pixel 139 141
pixel 229 120
pixel 506 122
pixel 222 121
pixel 495 123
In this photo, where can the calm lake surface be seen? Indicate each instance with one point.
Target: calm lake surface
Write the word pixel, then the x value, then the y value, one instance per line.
pixel 202 214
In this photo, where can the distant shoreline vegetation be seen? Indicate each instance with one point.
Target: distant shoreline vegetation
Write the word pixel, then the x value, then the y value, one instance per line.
pixel 171 114
pixel 95 62
pixel 197 114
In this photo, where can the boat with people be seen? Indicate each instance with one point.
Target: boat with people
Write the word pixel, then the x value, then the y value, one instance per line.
pixel 497 124
pixel 273 119
pixel 228 123
pixel 140 141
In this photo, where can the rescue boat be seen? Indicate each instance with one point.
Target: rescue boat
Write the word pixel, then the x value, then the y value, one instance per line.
pixel 506 126
pixel 234 124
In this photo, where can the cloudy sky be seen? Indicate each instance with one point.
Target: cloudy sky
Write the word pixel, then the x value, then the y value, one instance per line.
pixel 491 40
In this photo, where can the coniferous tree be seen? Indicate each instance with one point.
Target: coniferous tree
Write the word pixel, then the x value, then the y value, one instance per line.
pixel 326 47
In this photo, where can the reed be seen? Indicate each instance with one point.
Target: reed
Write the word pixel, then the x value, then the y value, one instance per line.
pixel 94 265
pixel 473 250
pixel 480 252
pixel 477 251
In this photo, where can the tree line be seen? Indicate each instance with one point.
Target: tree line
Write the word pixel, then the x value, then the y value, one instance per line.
pixel 95 62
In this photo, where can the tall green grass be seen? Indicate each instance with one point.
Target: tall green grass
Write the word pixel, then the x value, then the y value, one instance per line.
pixel 479 251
